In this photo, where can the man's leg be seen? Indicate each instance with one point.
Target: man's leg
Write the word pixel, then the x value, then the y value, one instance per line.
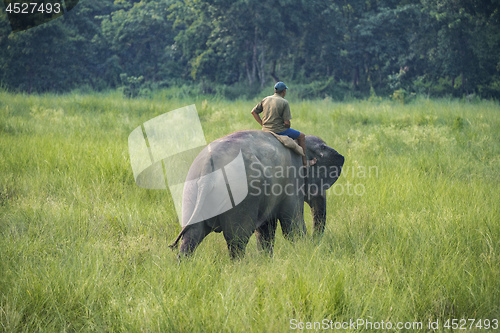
pixel 301 140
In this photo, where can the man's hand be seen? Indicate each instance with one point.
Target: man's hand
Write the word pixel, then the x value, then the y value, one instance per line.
pixel 287 123
pixel 257 117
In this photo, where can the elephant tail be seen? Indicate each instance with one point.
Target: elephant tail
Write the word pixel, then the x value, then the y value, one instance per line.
pixel 176 241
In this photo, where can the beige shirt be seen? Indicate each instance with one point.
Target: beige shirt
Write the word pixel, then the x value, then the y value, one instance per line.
pixel 275 111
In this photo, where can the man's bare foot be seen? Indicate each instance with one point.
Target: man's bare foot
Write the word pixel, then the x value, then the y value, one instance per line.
pixel 310 162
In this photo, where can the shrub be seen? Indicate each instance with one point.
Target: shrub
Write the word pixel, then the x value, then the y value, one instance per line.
pixel 402 96
pixel 336 90
pixel 131 85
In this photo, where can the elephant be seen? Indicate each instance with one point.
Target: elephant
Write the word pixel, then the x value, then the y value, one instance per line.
pixel 261 182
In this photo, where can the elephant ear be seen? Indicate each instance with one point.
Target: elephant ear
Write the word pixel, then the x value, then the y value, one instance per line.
pixel 204 198
pixel 214 193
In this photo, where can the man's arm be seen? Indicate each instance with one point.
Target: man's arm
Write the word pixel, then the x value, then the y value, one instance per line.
pixel 287 115
pixel 257 117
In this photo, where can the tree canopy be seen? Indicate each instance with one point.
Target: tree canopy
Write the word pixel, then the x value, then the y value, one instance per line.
pixel 327 48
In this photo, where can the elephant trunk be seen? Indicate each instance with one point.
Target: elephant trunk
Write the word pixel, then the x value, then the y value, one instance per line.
pixel 318 212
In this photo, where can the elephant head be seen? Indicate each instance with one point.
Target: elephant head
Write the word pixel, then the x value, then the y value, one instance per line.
pixel 320 177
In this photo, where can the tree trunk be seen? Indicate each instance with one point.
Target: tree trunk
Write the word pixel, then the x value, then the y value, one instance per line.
pixel 251 79
pixel 355 78
pixel 262 67
pixel 251 69
pixel 273 72
pixel 30 82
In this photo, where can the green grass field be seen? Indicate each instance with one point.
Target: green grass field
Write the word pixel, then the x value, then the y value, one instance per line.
pixel 412 235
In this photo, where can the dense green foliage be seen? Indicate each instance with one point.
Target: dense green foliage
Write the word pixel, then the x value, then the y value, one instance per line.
pixel 328 48
pixel 84 249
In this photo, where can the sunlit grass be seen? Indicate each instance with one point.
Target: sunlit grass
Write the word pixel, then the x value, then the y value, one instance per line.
pixel 412 227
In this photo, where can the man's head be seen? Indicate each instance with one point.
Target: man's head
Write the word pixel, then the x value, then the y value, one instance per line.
pixel 280 88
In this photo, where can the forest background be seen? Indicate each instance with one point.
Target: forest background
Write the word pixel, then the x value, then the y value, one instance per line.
pixel 338 49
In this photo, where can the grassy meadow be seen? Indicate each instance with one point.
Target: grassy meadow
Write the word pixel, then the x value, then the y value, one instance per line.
pixel 412 234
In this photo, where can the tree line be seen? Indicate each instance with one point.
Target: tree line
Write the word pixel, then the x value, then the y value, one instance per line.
pixel 326 48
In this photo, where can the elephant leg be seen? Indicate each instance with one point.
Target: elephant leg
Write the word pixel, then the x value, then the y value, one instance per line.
pixel 265 236
pixel 237 236
pixel 193 237
pixel 236 244
pixel 238 225
pixel 236 250
pixel 318 212
pixel 293 228
pixel 292 220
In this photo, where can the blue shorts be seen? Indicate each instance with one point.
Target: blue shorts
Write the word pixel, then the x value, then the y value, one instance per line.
pixel 294 134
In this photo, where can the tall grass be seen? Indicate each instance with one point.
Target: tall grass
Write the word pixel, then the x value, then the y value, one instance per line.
pixel 412 229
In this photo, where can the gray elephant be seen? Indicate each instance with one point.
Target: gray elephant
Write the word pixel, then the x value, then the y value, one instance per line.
pixel 246 182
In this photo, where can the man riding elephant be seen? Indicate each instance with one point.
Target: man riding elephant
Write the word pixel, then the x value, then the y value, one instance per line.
pixel 247 181
pixel 276 117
